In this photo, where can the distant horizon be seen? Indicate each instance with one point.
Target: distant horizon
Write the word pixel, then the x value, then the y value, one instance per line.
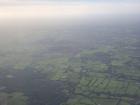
pixel 63 8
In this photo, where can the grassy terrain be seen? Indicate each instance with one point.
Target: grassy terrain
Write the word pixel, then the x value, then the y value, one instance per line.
pixel 98 65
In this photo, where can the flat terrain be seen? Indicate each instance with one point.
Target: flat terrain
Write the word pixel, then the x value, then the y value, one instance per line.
pixel 79 62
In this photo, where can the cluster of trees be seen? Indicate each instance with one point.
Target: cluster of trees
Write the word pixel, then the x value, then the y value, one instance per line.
pixel 102 74
pixel 15 98
pixel 99 75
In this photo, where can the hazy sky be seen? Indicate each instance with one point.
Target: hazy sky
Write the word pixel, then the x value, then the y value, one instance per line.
pixel 42 1
pixel 69 8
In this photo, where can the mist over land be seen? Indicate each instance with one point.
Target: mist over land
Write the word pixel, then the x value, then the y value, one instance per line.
pixel 69 53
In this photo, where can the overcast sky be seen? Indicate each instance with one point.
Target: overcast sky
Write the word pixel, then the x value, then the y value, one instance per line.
pixel 70 0
pixel 44 1
pixel 42 8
